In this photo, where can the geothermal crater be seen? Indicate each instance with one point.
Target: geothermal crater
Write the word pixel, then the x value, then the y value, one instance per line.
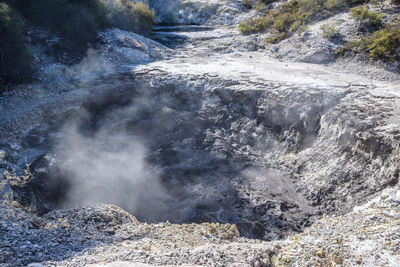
pixel 269 151
pixel 181 153
pixel 199 130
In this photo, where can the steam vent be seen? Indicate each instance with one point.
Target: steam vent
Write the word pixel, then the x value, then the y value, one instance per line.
pixel 247 133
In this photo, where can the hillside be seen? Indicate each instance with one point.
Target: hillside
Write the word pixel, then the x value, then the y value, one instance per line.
pixel 70 27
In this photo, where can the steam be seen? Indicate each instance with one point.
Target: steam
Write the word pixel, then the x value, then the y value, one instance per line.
pixel 110 168
pixel 117 161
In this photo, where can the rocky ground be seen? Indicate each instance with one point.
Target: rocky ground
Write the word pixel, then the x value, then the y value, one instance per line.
pixel 221 155
pixel 104 235
pixel 312 46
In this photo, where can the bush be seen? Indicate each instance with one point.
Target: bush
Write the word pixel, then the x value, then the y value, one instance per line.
pixel 247 3
pixel 330 32
pixel 14 57
pixel 382 45
pixel 267 1
pixel 77 21
pixel 140 16
pixel 294 16
pixel 385 44
pixel 130 16
pixel 80 20
pixel 253 25
pixel 276 38
pixel 277 20
pixel 335 4
pixel 368 21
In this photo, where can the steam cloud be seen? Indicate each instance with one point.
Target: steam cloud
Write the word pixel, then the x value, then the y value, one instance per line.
pixel 110 168
pixel 119 154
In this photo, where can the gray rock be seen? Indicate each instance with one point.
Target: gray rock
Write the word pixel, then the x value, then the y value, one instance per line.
pixel 325 55
pixel 3 154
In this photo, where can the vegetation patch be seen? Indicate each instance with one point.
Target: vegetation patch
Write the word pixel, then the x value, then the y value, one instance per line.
pixel 294 16
pixel 81 20
pixel 380 42
pixel 128 15
pixel 330 32
pixel 368 21
pixel 383 44
pixel 247 3
pixel 76 21
pixel 14 57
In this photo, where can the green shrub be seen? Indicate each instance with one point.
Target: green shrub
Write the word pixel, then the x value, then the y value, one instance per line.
pixel 130 16
pixel 351 3
pixel 385 44
pixel 76 21
pixel 368 21
pixel 80 20
pixel 276 38
pixel 96 8
pixel 268 1
pixel 294 16
pixel 253 25
pixel 382 45
pixel 14 57
pixel 81 27
pixel 341 51
pixel 329 32
pixel 247 3
pixel 335 4
pixel 140 16
pixel 260 6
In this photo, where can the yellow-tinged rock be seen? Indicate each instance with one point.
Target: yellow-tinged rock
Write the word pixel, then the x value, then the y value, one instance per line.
pixel 320 253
